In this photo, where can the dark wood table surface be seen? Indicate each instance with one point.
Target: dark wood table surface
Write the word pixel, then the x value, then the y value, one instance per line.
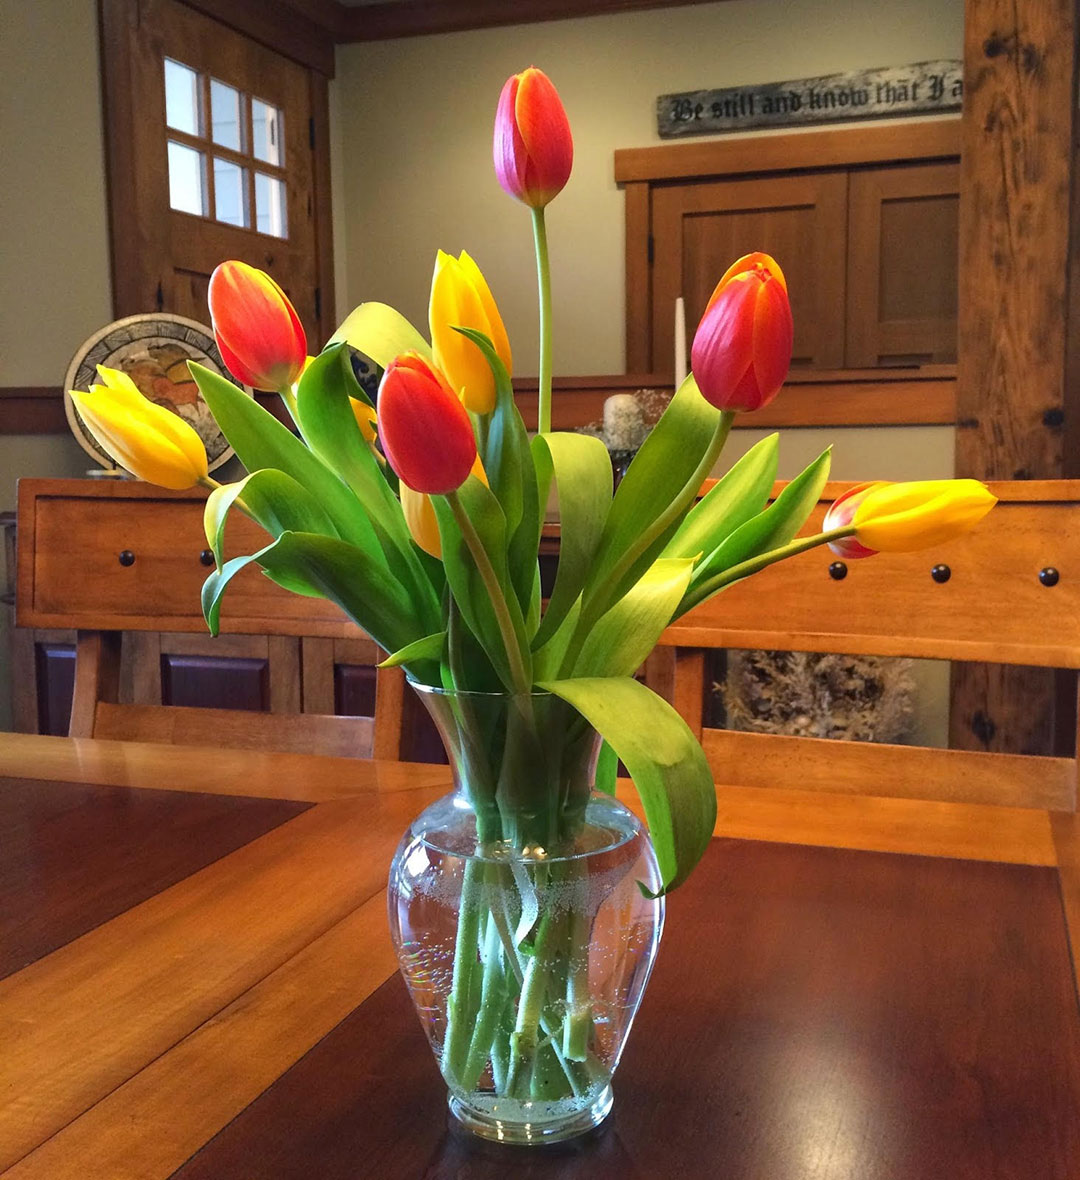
pixel 196 981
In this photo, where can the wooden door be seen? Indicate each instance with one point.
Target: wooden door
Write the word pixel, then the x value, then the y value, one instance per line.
pixel 700 229
pixel 219 163
pixel 902 264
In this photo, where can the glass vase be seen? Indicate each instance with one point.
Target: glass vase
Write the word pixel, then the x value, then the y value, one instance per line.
pixel 520 922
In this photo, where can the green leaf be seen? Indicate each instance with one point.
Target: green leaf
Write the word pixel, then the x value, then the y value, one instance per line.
pixel 669 768
pixel 271 498
pixel 261 441
pixel 621 639
pixel 740 494
pixel 332 433
pixel 657 478
pixel 429 648
pixel 583 478
pixel 466 582
pixel 607 769
pixel 511 475
pixel 380 333
pixel 769 529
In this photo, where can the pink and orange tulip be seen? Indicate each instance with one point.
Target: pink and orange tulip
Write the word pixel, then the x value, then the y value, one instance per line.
pixel 534 150
pixel 742 348
pixel 423 427
pixel 260 336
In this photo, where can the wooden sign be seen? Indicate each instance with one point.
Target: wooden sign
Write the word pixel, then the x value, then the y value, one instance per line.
pixel 924 88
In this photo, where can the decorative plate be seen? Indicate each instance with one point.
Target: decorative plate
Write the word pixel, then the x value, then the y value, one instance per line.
pixel 153 350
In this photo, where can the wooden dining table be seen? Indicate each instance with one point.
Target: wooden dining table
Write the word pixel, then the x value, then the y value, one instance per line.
pixel 197 981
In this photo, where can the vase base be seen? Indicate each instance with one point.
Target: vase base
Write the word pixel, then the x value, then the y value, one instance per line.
pixel 525 1127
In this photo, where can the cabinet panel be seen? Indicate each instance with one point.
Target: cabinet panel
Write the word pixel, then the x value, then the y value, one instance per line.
pixel 700 229
pixel 902 265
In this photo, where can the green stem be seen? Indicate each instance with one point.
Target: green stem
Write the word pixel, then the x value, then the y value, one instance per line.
pixel 521 681
pixel 523 1040
pixel 543 281
pixel 492 995
pixel 578 1021
pixel 751 566
pixel 600 600
pixel 460 1010
pixel 289 398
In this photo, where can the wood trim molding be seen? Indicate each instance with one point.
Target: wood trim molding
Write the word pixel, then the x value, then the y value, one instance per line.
pixel 858 397
pixel 32 409
pixel 298 31
pixel 937 138
pixel 415 18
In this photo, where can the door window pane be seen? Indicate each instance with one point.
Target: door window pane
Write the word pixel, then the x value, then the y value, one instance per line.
pixel 230 193
pixel 270 206
pixel 266 132
pixel 187 179
pixel 181 97
pixel 225 121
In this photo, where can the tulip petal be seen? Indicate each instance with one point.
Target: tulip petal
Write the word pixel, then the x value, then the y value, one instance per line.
pixel 497 332
pixel 899 518
pixel 509 148
pixel 545 131
pixel 456 303
pixel 773 339
pixel 722 351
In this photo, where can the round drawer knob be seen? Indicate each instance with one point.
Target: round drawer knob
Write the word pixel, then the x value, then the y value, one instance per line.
pixel 1049 576
pixel 126 557
pixel 206 557
pixel 838 571
pixel 941 574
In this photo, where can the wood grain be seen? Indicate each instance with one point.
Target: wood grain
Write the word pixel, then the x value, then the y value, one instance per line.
pixel 73 856
pixel 95 1012
pixel 209 769
pixel 909 772
pixel 159 1118
pixel 812 1011
pixel 831 148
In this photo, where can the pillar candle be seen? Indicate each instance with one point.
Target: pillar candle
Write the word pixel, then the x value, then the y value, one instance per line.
pixel 680 342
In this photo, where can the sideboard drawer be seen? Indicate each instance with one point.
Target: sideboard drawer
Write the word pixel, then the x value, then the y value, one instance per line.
pixel 128 556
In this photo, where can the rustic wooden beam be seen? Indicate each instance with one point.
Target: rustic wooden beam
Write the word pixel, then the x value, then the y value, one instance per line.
pixel 415 18
pixel 1013 395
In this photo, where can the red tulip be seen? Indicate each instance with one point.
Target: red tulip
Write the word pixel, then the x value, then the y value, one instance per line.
pixel 742 347
pixel 260 336
pixel 842 513
pixel 534 150
pixel 423 427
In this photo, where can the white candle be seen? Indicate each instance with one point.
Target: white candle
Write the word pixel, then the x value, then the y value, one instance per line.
pixel 680 342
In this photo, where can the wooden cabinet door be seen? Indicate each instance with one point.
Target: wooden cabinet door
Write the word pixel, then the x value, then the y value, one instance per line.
pixel 902 265
pixel 219 164
pixel 700 229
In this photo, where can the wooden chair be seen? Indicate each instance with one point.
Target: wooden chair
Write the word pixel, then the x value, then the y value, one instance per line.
pixel 121 563
pixel 1001 603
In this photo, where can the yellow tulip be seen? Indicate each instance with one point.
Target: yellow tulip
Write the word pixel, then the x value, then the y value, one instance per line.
pixel 900 517
pixel 148 440
pixel 460 297
pixel 420 515
pixel 365 419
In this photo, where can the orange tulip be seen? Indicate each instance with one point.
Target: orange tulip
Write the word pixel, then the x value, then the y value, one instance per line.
pixel 260 336
pixel 742 347
pixel 423 427
pixel 534 150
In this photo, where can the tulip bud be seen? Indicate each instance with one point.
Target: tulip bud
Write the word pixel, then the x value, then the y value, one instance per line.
pixel 420 515
pixel 840 514
pixel 256 328
pixel 742 348
pixel 900 517
pixel 423 427
pixel 460 297
pixel 534 150
pixel 148 440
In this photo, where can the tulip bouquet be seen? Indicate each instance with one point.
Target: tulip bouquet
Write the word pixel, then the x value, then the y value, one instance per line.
pixel 420 515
